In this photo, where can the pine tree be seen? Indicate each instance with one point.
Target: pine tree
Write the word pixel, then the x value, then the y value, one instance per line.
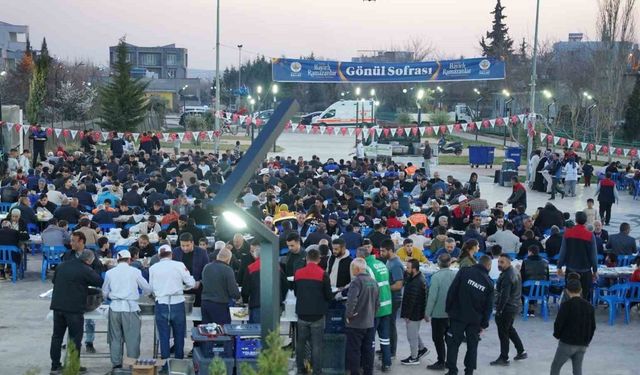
pixel 522 51
pixel 631 126
pixel 124 105
pixel 497 42
pixel 38 86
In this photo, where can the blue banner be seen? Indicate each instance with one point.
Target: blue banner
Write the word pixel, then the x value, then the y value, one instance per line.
pixel 314 71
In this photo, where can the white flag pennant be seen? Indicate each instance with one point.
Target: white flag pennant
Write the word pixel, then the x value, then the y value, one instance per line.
pixel 308 128
pixel 521 118
pixel 73 134
pixel 26 129
pixel 378 131
pixel 351 130
pixel 120 135
pixel 450 128
pixel 365 133
pixel 165 137
pixel 543 136
pixel 464 127
pixel 436 129
pixel 135 136
pixel 625 151
pixel 492 122
pixel 422 129
pixel 556 140
pixel 506 120
pixel 598 147
pixel 105 135
pixel 393 132
pixel 228 116
pixel 611 150
pixel 181 136
pixel 323 129
pixel 584 145
pixel 210 134
pixel 58 131
pixel 9 125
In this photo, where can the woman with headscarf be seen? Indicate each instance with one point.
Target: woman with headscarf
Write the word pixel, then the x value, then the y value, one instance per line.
pixel 538 179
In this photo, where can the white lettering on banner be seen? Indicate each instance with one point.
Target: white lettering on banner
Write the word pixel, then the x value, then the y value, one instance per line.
pixel 379 71
pixel 456 68
pixel 476 285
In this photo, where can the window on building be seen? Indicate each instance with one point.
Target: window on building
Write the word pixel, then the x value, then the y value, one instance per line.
pixel 129 57
pixel 149 59
pixel 172 59
pixel 171 73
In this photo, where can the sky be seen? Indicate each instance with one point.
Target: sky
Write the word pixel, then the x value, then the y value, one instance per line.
pixel 332 29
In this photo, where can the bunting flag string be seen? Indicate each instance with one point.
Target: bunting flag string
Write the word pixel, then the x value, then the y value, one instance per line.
pixel 364 132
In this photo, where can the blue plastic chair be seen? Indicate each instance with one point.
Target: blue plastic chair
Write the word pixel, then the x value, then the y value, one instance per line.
pixel 72 227
pixel 558 284
pixel 633 296
pixel 600 258
pixel 106 228
pixel 538 291
pixel 614 296
pixel 33 228
pixel 352 253
pixel 51 256
pixel 365 231
pixel 396 230
pixel 4 207
pixel 129 226
pixel 164 226
pixel 544 256
pixel 6 258
pixel 625 260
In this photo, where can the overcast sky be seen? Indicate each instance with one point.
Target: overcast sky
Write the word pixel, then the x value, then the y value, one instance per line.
pixel 334 29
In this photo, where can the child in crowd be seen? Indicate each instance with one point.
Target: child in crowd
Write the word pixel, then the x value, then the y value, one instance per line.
pixel 592 213
pixel 587 171
pixel 568 222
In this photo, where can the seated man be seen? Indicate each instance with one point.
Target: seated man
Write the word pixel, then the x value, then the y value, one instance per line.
pixel 105 214
pixel 9 237
pixel 449 248
pixel 408 251
pixel 56 233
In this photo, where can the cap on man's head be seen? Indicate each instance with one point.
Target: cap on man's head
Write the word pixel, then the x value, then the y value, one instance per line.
pixel 462 198
pixel 122 254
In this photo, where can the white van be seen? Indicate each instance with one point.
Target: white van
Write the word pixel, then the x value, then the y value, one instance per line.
pixel 346 112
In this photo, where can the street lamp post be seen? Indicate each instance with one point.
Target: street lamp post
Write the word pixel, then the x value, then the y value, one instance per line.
pixel 477 116
pixel 252 102
pixel 2 75
pixel 532 102
pixel 182 96
pixel 259 92
pixel 274 91
pixel 216 126
pixel 239 75
pixel 419 96
pixel 357 93
pixel 507 111
pixel 440 95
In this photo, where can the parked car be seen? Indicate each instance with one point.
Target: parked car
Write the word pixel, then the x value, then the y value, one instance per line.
pixel 306 119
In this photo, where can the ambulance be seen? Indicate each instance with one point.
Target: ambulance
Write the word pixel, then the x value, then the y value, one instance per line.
pixel 347 113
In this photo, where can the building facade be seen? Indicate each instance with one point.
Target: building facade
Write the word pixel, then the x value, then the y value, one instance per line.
pixel 13 43
pixel 164 62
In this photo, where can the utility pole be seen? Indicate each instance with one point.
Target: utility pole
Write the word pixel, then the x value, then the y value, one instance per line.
pixel 216 126
pixel 532 103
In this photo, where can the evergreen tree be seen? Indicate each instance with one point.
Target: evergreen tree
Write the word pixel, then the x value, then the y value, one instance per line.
pixel 497 42
pixel 631 126
pixel 38 86
pixel 123 102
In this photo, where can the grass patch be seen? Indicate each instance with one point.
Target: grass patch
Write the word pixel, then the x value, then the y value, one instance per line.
pixel 463 160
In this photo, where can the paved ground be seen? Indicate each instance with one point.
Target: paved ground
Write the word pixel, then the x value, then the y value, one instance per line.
pixel 26 334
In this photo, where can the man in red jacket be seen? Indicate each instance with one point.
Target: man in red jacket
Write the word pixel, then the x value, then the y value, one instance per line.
pixel 313 293
pixel 578 253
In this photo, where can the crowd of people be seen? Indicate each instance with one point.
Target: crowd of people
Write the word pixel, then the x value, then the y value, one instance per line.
pixel 390 240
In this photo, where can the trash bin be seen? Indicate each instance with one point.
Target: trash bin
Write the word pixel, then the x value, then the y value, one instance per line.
pixel 507 171
pixel 481 155
pixel 514 153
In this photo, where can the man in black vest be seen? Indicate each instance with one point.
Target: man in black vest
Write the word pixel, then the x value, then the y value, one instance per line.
pixel 607 194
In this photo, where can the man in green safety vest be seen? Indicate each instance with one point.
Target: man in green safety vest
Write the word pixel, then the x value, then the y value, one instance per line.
pixel 380 273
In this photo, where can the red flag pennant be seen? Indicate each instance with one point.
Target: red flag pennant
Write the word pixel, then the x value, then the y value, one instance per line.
pixel 343 130
pixel 329 129
pixel 499 121
pixel 457 127
pixel 188 135
pixel 604 149
pixel 486 123
pixel 18 127
pixel 429 130
pixel 202 135
pixel 358 132
pixel 633 152
pixel 49 131
pixel 562 141
pixel 472 125
pixel 66 133
pixel 514 119
pixel 386 132
pixel 159 135
pixel 590 147
pixel 618 151
pixel 576 144
pixel 443 129
pixel 414 131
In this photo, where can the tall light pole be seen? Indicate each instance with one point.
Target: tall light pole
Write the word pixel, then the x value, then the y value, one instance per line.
pixel 239 75
pixel 2 75
pixel 419 96
pixel 507 110
pixel 216 126
pixel 477 116
pixel 274 90
pixel 532 102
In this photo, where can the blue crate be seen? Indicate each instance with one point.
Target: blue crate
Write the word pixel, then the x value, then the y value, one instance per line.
pixel 247 347
pixel 242 329
pixel 333 354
